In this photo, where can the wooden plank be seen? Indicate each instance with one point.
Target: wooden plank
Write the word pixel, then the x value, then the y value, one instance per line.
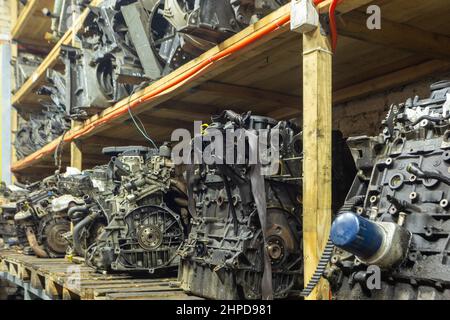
pixel 343 6
pixel 317 127
pixel 396 35
pixel 163 295
pixel 76 154
pixel 31 26
pixel 250 94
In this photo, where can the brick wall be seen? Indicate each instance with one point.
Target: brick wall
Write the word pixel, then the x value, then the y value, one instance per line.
pixel 364 116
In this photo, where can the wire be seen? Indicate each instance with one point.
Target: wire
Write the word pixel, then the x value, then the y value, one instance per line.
pixel 144 134
pixel 333 26
pixel 143 131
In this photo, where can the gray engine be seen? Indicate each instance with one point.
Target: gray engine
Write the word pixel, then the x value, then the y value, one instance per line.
pixel 147 215
pixel 395 224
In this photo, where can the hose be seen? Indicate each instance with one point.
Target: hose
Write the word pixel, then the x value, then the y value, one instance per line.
pixel 333 26
pixel 73 212
pixel 321 267
pixel 32 241
pixel 415 170
pixel 77 232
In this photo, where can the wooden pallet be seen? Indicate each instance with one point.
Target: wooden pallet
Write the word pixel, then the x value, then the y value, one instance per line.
pixel 58 279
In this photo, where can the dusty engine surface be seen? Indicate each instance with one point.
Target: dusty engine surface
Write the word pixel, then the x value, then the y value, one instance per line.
pixel 147 214
pixel 225 248
pixel 42 217
pixel 396 219
pixel 48 124
pixel 24 66
pixel 128 43
pixel 9 195
pixel 86 192
pixel 230 203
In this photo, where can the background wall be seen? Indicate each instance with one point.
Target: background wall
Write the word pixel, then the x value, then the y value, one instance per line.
pixel 364 116
pixel 5 91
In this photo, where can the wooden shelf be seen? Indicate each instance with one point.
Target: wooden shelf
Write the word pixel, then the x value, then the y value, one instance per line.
pixel 32 25
pixel 52 279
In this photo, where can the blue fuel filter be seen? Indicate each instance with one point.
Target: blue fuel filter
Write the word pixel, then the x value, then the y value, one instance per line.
pixel 356 235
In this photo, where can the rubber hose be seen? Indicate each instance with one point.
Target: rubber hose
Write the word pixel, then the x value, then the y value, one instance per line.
pixel 77 233
pixel 78 209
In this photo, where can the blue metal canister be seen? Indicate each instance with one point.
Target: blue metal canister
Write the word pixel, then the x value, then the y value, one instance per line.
pixel 356 235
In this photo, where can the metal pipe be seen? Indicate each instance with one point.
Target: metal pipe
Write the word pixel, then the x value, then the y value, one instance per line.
pixel 32 241
pixel 77 246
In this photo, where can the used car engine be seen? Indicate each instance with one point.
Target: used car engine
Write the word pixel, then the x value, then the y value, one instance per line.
pixel 42 217
pixel 226 244
pixel 147 215
pixel 393 233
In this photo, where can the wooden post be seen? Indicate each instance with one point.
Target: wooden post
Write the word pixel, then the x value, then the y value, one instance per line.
pixel 14 14
pixel 317 148
pixel 76 155
pixel 76 152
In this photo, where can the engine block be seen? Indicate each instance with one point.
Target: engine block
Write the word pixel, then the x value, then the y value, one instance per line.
pixel 146 224
pixel 396 219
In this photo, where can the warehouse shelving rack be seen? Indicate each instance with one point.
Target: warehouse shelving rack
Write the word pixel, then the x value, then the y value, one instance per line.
pixel 272 71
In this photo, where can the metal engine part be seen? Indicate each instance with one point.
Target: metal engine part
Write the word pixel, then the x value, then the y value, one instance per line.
pixel 24 66
pixel 203 24
pixel 44 227
pixel 88 217
pixel 62 16
pixel 51 122
pixel 397 214
pixel 146 224
pixel 226 244
pixel 124 43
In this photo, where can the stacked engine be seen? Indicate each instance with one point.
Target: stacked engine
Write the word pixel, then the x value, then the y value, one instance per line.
pixel 42 218
pixel 147 215
pixel 47 125
pixel 126 43
pixel 231 226
pixel 9 195
pixel 393 234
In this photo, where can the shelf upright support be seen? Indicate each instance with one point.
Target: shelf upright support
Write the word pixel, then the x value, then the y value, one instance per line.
pixel 317 149
pixel 76 155
pixel 14 14
pixel 76 151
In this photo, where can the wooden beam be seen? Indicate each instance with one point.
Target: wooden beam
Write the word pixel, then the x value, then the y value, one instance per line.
pixel 377 85
pixel 76 152
pixel 317 127
pixel 396 35
pixel 391 80
pixel 108 141
pixel 343 6
pixel 252 94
